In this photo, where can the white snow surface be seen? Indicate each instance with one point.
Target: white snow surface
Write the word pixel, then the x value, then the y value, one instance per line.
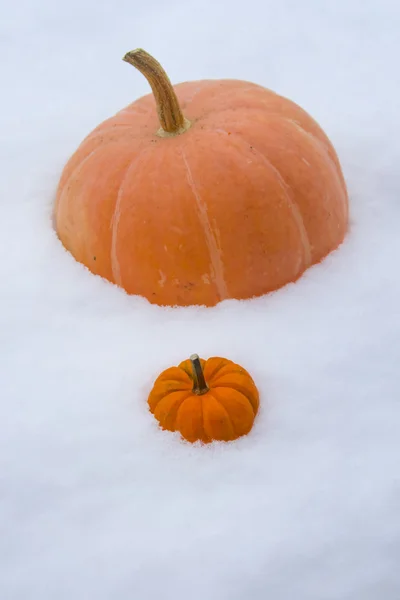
pixel 96 502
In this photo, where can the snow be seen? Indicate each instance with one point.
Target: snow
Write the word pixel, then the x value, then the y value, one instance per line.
pixel 96 501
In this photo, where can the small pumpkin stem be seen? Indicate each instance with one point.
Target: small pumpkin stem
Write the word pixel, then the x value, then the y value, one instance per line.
pixel 199 383
pixel 169 112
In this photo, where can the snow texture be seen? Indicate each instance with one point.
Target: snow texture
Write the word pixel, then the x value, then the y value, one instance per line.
pixel 96 502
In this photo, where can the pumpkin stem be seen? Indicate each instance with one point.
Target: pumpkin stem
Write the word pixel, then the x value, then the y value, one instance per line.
pixel 169 113
pixel 199 383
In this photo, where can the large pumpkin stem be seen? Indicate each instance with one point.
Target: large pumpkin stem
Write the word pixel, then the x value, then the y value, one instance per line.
pixel 199 383
pixel 169 113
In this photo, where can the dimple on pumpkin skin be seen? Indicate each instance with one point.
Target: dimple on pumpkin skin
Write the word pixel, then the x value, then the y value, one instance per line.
pixel 201 192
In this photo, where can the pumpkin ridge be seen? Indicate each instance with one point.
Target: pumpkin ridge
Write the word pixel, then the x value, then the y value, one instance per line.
pixel 61 193
pixel 281 116
pixel 241 390
pixel 224 409
pixel 230 372
pixel 297 216
pixel 307 132
pixel 175 381
pixel 209 234
pixel 278 115
pixel 172 391
pixel 228 369
pixel 178 400
pixel 179 386
pixel 231 367
pixel 156 396
pixel 190 393
pixel 214 373
pixel 167 419
pixel 237 389
pixel 321 144
pixel 74 170
pixel 115 267
pixel 83 161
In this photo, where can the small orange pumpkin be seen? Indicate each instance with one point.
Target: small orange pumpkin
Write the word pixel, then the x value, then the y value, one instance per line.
pixel 205 400
pixel 234 197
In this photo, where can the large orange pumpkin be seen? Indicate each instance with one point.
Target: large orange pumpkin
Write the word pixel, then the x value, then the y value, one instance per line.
pixel 205 400
pixel 201 192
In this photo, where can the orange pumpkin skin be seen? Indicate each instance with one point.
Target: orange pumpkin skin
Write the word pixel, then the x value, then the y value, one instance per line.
pixel 225 412
pixel 240 204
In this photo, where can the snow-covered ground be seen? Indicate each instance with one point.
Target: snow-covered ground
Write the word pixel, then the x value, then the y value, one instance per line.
pixel 96 503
